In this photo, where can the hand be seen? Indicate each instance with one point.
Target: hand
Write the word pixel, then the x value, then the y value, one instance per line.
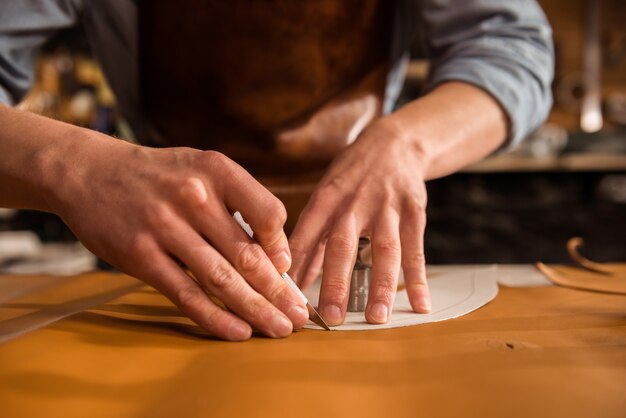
pixel 144 210
pixel 375 188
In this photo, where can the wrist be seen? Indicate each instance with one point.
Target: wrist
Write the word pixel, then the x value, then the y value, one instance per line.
pixel 454 125
pixel 395 130
pixel 61 167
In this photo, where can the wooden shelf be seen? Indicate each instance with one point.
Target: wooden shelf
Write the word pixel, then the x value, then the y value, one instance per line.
pixel 567 162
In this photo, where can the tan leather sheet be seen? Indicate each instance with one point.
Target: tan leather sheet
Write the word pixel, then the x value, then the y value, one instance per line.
pixel 546 351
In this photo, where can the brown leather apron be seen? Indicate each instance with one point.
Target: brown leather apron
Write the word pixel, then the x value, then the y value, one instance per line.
pixel 280 86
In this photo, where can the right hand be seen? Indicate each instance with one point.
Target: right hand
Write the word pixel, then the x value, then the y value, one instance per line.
pixel 143 210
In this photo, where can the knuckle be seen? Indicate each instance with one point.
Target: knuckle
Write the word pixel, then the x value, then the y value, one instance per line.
pixel 263 317
pixel 327 195
pixel 317 199
pixel 141 244
pixel 385 286
pixel 254 308
pixel 193 191
pixel 189 296
pixel 423 193
pixel 342 244
pixel 320 194
pixel 298 254
pixel 222 278
pixel 212 322
pixel 280 212
pixel 420 286
pixel 274 217
pixel 158 214
pixel 387 246
pixel 334 185
pixel 279 292
pixel 218 167
pixel 221 167
pixel 416 203
pixel 250 259
pixel 335 289
pixel 414 261
pixel 214 159
pixel 420 207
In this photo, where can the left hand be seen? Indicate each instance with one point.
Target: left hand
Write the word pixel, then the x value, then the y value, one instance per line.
pixel 375 188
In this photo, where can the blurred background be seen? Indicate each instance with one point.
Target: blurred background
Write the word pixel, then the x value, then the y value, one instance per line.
pixel 568 179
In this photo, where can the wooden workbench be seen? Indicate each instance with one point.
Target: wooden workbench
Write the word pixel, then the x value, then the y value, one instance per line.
pixel 533 352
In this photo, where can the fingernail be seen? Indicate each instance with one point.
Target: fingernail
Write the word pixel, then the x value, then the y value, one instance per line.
pixel 331 314
pixel 239 332
pixel 281 326
pixel 424 303
pixel 299 315
pixel 283 262
pixel 379 313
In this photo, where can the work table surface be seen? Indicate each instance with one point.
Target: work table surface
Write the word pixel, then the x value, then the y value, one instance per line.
pixel 533 351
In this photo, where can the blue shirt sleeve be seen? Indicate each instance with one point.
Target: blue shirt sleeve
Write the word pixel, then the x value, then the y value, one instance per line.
pixel 501 46
pixel 25 25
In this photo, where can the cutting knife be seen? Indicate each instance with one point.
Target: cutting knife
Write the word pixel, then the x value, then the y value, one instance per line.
pixel 314 316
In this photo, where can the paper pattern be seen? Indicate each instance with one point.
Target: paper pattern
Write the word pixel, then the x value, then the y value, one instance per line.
pixel 454 294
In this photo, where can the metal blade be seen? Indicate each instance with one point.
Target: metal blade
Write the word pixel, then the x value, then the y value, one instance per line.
pixel 316 318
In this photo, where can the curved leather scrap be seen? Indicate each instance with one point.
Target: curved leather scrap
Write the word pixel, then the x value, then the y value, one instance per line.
pixel 578 278
pixel 573 246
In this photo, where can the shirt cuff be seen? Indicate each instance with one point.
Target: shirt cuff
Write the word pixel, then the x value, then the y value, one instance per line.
pixel 523 92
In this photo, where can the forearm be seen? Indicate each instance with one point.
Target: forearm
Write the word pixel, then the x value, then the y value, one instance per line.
pixel 456 124
pixel 37 155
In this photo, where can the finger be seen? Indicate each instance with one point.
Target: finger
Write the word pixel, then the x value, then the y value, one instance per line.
pixel 306 236
pixel 165 275
pixel 217 275
pixel 386 256
pixel 264 212
pixel 245 254
pixel 339 257
pixel 412 228
pixel 251 261
pixel 312 272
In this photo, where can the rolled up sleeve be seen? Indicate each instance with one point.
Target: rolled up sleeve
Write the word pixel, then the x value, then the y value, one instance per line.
pixel 501 46
pixel 25 26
